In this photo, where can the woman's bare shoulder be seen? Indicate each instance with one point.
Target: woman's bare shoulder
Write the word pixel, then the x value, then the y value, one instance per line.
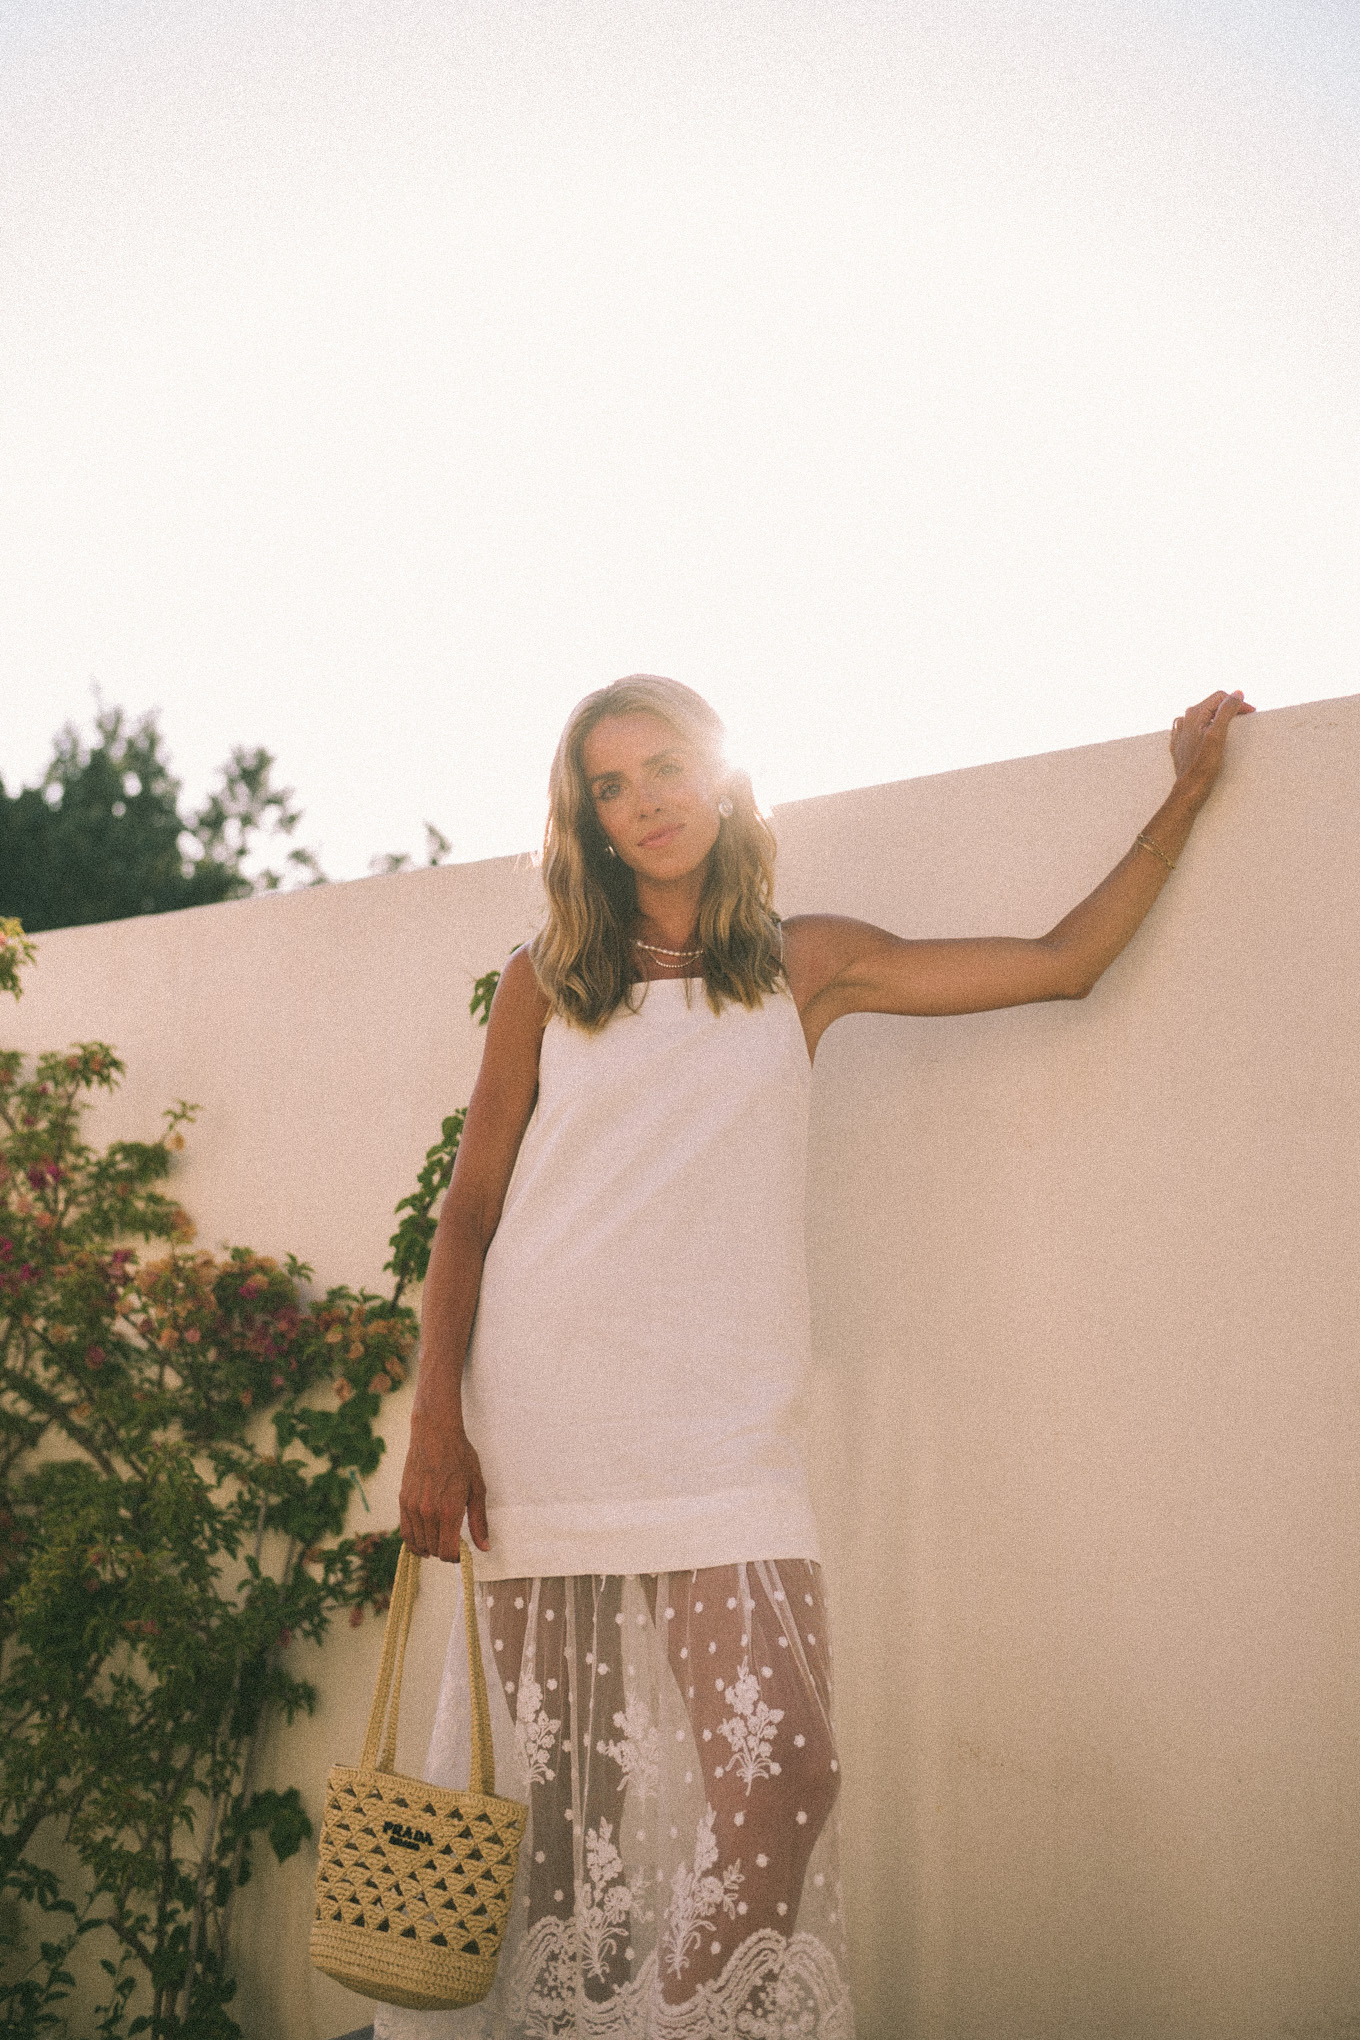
pixel 817 948
pixel 519 994
pixel 503 1096
pixel 507 1082
pixel 519 1013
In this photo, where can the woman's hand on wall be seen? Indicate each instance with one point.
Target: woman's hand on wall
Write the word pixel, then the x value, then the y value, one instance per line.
pixel 1197 742
pixel 440 1484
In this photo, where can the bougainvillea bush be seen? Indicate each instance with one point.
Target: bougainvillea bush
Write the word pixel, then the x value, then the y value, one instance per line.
pixel 181 1436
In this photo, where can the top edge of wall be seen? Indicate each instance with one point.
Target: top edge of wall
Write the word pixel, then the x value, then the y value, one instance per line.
pixel 295 898
pixel 527 862
pixel 1303 712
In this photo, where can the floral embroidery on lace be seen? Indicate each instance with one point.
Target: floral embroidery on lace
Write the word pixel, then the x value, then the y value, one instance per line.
pixel 534 1731
pixel 696 1897
pixel 750 1729
pixel 602 1914
pixel 638 1754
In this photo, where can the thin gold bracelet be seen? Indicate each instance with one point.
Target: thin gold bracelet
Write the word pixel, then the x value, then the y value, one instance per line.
pixel 1155 848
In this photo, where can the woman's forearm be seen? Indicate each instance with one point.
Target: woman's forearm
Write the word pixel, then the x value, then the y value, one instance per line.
pixel 1088 940
pixel 452 1282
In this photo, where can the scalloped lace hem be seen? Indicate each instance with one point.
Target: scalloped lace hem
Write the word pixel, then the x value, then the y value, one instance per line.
pixel 770 1989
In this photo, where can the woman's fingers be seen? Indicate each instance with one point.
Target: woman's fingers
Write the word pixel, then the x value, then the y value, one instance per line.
pixel 477 1529
pixel 447 1533
pixel 441 1485
pixel 431 1528
pixel 1226 708
pixel 1198 736
pixel 413 1517
pixel 1213 705
pixel 1219 704
pixel 441 1536
pixel 412 1531
pixel 444 1520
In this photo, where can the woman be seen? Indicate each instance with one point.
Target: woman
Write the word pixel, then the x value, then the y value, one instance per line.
pixel 625 1225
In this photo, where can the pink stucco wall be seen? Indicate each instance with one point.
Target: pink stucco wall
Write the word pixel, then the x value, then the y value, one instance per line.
pixel 1086 1418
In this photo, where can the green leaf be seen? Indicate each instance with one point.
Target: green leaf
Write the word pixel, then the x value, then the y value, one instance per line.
pixel 483 992
pixel 281 1817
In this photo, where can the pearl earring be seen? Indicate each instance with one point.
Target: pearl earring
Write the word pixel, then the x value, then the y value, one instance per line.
pixel 724 807
pixel 610 851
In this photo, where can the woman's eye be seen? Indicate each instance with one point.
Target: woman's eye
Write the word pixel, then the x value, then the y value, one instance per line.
pixel 670 768
pixel 606 792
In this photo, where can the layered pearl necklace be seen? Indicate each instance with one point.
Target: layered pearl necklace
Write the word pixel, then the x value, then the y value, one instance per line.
pixel 672 956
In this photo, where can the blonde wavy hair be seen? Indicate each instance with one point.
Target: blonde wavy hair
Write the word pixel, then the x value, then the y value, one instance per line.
pixel 583 955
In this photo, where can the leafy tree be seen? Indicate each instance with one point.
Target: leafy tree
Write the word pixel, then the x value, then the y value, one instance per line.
pixel 103 835
pixel 437 848
pixel 180 1437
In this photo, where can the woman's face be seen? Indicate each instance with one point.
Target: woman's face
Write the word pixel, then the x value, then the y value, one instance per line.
pixel 654 794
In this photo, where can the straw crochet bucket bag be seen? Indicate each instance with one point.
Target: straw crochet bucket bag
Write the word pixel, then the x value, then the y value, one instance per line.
pixel 414 1881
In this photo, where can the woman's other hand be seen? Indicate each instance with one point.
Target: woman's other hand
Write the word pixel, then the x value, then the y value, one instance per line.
pixel 1197 741
pixel 440 1483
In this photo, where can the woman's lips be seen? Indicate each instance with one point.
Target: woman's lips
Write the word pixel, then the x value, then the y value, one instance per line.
pixel 660 836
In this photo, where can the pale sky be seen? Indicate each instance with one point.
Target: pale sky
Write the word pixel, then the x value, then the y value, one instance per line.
pixel 926 384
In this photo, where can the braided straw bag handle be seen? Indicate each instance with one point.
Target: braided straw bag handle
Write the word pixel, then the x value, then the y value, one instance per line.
pixel 414 1881
pixel 404 1590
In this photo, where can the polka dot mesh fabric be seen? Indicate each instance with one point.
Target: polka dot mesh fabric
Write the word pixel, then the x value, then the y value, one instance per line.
pixel 679 1877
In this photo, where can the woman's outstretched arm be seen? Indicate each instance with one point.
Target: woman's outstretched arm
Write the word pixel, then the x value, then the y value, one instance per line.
pixel 442 1478
pixel 839 966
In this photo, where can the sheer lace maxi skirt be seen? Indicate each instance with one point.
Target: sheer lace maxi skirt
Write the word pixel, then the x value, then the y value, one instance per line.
pixel 679 1879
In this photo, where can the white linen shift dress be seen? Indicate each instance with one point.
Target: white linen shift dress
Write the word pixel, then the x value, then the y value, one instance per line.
pixel 651 1604
pixel 636 1368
